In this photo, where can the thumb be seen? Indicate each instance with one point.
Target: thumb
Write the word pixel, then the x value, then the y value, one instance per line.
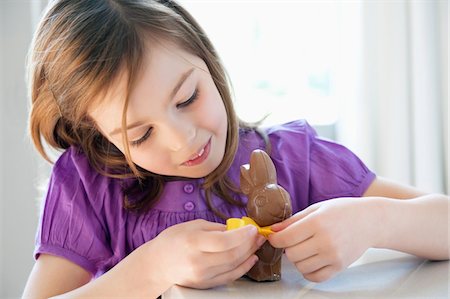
pixel 294 218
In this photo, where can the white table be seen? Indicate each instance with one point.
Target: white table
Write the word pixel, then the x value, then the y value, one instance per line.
pixel 379 273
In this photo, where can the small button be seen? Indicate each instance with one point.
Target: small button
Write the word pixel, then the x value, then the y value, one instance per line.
pixel 188 188
pixel 189 206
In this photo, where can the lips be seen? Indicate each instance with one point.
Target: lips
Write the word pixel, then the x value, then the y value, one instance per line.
pixel 200 156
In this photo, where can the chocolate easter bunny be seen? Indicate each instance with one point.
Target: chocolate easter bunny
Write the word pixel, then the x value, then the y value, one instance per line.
pixel 268 203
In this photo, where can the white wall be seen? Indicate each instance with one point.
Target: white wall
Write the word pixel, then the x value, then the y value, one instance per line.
pixel 18 166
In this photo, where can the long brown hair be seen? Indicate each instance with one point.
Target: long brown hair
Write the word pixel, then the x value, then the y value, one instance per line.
pixel 79 49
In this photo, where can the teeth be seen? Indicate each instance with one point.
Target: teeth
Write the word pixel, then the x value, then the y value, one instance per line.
pixel 199 154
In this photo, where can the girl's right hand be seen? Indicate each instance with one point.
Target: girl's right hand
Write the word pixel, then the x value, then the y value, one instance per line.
pixel 202 254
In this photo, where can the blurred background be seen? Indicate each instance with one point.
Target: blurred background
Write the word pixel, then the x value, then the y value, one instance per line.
pixel 370 74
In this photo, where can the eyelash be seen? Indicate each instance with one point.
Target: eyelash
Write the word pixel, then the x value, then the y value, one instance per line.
pixel 186 103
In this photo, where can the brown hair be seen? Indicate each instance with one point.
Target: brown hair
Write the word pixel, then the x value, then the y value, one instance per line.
pixel 79 49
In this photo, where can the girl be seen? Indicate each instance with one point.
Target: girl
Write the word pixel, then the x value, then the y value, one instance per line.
pixel 135 94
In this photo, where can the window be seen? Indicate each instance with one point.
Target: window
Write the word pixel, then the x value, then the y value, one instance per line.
pixel 284 57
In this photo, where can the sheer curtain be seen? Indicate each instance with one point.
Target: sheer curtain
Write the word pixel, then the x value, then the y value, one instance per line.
pixel 398 121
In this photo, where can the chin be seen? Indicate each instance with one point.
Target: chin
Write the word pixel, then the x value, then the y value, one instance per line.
pixel 204 171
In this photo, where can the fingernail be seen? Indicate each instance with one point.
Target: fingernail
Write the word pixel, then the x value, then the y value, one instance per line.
pixel 252 230
pixel 261 240
pixel 275 226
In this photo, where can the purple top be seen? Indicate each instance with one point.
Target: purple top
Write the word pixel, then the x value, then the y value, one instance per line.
pixel 83 219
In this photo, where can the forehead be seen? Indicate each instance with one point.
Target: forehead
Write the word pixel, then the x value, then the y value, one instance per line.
pixel 162 65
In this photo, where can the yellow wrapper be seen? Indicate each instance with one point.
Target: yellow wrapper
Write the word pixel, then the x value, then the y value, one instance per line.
pixel 233 223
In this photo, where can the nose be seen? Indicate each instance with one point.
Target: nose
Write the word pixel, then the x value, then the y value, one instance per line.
pixel 179 135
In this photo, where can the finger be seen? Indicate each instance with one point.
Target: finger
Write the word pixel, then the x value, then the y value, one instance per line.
pixel 229 260
pixel 322 274
pixel 292 235
pixel 219 241
pixel 208 225
pixel 235 273
pixel 214 226
pixel 294 218
pixel 311 264
pixel 302 251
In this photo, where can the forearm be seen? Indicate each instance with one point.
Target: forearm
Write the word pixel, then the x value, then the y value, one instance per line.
pixel 133 277
pixel 418 226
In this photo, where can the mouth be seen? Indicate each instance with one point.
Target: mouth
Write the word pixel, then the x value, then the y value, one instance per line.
pixel 200 156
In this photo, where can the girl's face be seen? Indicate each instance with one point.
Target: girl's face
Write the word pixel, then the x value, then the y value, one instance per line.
pixel 176 120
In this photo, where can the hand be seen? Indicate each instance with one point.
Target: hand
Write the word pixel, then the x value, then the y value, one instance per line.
pixel 202 254
pixel 326 237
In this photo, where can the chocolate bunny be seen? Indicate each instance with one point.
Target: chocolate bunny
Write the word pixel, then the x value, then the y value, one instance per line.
pixel 268 203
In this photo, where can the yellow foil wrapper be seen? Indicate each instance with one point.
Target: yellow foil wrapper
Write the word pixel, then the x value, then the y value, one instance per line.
pixel 233 223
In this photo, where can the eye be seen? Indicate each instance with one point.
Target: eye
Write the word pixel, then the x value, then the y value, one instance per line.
pixel 142 139
pixel 190 100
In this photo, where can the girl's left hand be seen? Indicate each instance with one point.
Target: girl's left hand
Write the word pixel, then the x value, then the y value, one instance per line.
pixel 327 237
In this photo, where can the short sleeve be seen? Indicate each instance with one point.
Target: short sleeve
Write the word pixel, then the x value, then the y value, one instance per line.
pixel 313 168
pixel 69 226
pixel 335 171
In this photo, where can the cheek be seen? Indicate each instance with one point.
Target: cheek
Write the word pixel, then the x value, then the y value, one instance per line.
pixel 143 157
pixel 213 113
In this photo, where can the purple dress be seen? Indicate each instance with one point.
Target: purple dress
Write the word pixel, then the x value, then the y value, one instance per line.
pixel 83 220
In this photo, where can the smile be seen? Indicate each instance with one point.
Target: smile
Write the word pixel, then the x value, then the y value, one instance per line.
pixel 200 156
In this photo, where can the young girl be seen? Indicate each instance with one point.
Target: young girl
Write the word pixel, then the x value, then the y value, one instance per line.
pixel 136 96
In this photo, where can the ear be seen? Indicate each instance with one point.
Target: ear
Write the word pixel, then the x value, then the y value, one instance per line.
pixel 262 169
pixel 245 180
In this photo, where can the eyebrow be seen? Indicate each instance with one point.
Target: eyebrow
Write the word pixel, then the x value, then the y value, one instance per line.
pixel 177 87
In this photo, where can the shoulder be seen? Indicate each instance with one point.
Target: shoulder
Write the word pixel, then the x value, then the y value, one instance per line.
pixel 292 139
pixel 73 177
pixel 294 128
pixel 74 165
pixel 73 161
pixel 283 138
pixel 290 146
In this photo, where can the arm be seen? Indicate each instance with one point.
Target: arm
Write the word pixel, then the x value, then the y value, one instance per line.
pixel 419 225
pixel 196 254
pixel 328 236
pixel 53 276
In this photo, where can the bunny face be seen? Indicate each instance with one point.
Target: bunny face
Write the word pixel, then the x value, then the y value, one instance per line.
pixel 269 205
pixel 268 202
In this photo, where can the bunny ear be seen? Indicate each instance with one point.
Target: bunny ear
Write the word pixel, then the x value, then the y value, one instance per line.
pixel 246 181
pixel 262 169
